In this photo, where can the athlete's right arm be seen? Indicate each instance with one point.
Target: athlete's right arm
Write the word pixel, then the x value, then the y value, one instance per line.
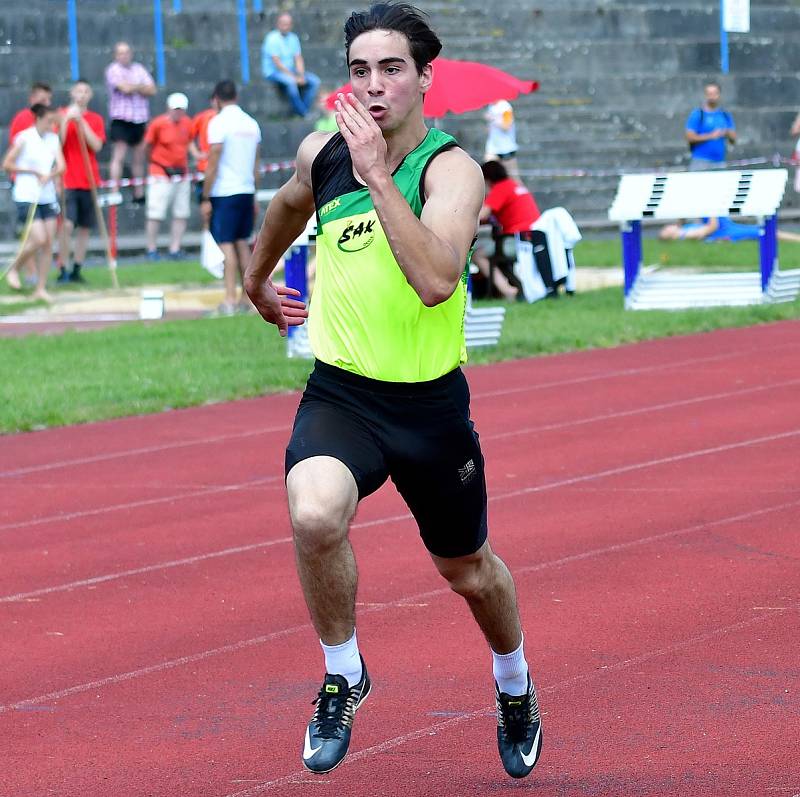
pixel 286 218
pixel 10 159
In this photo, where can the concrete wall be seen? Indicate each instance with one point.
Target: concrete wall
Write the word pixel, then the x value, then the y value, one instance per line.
pixel 617 78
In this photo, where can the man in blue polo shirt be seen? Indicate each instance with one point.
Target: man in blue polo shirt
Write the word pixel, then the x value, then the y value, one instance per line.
pixel 282 62
pixel 708 129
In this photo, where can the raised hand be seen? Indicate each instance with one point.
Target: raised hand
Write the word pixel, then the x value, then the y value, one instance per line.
pixel 362 135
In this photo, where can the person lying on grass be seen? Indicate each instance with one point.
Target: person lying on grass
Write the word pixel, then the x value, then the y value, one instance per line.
pixel 719 229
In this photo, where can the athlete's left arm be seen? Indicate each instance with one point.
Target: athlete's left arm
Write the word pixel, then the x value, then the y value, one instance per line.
pixel 431 250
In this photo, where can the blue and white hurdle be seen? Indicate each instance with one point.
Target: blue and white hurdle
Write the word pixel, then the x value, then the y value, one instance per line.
pixel 689 195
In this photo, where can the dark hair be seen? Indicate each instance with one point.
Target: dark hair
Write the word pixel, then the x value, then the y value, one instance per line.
pixel 82 80
pixel 423 43
pixel 494 171
pixel 712 83
pixel 225 91
pixel 39 109
pixel 39 86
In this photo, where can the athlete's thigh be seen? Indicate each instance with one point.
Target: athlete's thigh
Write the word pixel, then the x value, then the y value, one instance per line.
pixel 324 427
pixel 440 474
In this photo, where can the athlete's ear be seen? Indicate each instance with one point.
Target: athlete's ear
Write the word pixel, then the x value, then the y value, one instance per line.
pixel 426 78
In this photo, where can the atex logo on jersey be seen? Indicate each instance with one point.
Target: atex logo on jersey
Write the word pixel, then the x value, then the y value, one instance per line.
pixel 328 207
pixel 356 237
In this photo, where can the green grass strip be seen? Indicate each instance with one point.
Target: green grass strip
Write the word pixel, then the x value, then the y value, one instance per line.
pixel 138 368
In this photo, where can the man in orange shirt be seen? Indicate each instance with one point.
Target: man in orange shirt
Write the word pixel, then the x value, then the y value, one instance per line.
pixel 199 146
pixel 168 137
pixel 82 133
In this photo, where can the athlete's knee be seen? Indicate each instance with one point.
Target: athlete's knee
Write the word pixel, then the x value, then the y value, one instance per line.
pixel 473 576
pixel 316 526
pixel 322 499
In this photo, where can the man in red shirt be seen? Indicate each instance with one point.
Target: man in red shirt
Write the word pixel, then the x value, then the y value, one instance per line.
pixel 82 133
pixel 41 94
pixel 199 146
pixel 168 137
pixel 514 210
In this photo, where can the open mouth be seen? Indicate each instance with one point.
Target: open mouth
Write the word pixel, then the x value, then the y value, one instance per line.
pixel 377 110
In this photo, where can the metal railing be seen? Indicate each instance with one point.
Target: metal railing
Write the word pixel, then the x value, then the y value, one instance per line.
pixel 158 36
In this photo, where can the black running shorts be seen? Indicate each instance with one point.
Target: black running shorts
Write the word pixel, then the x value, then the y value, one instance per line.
pixel 80 207
pixel 419 434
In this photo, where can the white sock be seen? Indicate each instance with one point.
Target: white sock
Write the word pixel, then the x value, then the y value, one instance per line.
pixel 344 659
pixel 511 671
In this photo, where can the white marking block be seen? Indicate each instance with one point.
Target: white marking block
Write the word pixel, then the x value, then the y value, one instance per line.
pixel 152 305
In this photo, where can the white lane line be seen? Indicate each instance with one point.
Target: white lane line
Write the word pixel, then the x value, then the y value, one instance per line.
pixel 653 463
pixel 164 665
pixel 498 436
pixel 499 496
pixel 407 515
pixel 287 427
pixel 405 602
pixel 189 560
pixel 645 369
pixel 436 727
pixel 639 410
pixel 135 452
pixel 225 488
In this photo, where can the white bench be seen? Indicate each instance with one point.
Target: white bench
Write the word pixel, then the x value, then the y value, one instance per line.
pixel 687 195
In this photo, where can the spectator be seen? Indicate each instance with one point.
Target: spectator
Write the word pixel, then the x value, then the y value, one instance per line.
pixel 708 128
pixel 501 142
pixel 129 85
pixel 282 62
pixel 796 132
pixel 168 137
pixel 82 133
pixel 41 94
pixel 198 148
pixel 719 229
pixel 35 157
pixel 514 209
pixel 228 205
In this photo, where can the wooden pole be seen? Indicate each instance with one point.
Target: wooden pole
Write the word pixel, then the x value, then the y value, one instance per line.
pixel 101 222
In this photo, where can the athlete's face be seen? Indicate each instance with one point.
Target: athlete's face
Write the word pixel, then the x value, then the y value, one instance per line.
pixel 385 78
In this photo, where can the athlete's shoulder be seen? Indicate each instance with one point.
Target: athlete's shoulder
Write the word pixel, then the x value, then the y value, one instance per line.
pixel 307 153
pixel 311 146
pixel 455 162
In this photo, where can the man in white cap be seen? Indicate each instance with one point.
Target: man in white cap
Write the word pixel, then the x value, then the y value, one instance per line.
pixel 168 138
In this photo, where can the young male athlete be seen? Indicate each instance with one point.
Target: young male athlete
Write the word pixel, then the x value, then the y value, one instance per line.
pixel 397 207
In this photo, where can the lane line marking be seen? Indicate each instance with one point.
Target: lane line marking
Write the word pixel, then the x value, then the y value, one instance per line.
pixel 402 517
pixel 403 602
pixel 644 369
pixel 225 488
pixel 639 410
pixel 135 452
pixel 189 560
pixel 436 727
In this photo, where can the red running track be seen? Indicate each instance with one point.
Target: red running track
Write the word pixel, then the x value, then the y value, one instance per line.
pixel 155 642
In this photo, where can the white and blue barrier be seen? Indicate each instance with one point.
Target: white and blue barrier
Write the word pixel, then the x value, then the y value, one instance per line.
pixel 689 195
